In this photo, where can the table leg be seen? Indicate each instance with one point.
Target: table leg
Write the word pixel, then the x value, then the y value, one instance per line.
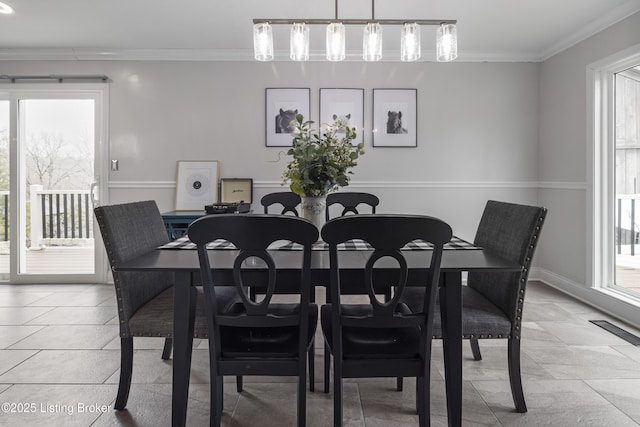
pixel 451 317
pixel 184 310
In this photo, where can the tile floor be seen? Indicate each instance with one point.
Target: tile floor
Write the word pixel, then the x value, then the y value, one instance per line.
pixel 59 362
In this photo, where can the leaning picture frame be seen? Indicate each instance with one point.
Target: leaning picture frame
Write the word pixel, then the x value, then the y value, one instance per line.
pixel 395 115
pixel 346 104
pixel 281 107
pixel 196 184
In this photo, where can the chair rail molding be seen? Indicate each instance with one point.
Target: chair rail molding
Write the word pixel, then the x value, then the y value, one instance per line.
pixel 382 184
pixel 142 184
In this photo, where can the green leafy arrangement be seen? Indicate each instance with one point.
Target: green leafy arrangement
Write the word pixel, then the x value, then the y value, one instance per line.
pixel 321 161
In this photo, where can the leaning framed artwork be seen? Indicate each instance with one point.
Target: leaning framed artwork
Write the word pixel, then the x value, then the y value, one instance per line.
pixel 343 104
pixel 395 118
pixel 281 107
pixel 196 184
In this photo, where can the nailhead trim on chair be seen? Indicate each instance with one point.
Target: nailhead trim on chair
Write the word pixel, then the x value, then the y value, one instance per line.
pixel 516 327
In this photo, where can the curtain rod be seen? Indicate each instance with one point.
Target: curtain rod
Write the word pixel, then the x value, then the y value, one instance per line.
pixel 55 77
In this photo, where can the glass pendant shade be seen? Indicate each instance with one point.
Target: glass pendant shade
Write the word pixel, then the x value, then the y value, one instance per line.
pixel 410 42
pixel 372 42
pixel 335 42
pixel 262 42
pixel 299 42
pixel 447 43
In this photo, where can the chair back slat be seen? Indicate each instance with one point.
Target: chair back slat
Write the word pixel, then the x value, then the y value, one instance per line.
pixel 350 202
pixel 287 199
pixel 387 234
pixel 252 234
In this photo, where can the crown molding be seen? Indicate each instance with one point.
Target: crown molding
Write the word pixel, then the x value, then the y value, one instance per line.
pixel 605 21
pixel 205 55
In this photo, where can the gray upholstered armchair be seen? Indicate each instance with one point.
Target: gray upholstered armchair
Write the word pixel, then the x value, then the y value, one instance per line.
pixel 492 302
pixel 145 299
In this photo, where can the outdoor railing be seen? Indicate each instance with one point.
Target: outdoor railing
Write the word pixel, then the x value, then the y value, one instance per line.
pixel 627 223
pixel 60 215
pixel 4 216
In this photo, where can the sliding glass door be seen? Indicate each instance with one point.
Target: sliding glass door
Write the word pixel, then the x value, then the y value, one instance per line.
pixel 56 143
pixel 627 181
pixel 5 249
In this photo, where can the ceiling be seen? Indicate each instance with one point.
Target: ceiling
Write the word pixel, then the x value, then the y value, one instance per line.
pixel 488 30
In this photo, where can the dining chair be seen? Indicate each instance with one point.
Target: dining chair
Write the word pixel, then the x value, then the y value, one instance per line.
pixel 144 299
pixel 289 201
pixel 492 302
pixel 383 338
pixel 258 337
pixel 350 202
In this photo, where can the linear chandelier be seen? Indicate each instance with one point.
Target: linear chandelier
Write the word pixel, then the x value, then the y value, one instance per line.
pixel 446 37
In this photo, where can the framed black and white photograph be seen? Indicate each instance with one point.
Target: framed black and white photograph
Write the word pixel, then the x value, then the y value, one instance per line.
pixel 282 106
pixel 196 184
pixel 343 104
pixel 395 118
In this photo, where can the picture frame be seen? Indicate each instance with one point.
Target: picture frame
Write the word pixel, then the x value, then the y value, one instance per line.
pixel 347 103
pixel 395 116
pixel 236 190
pixel 281 107
pixel 196 184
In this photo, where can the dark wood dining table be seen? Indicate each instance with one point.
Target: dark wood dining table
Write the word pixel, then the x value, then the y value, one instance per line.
pixel 183 263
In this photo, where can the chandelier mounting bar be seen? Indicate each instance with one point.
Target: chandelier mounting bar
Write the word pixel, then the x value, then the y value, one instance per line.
pixel 315 21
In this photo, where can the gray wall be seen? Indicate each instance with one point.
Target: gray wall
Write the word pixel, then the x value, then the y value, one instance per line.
pixel 477 130
pixel 563 150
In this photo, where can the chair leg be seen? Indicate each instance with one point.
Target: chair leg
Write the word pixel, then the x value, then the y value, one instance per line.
pixel 475 349
pixel 515 377
pixel 217 402
pixel 216 391
pixel 337 393
pixel 312 366
pixel 421 401
pixel 327 368
pixel 126 367
pixel 302 393
pixel 239 384
pixel 399 383
pixel 168 345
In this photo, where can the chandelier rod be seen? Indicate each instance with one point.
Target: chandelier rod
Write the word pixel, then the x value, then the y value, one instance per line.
pixel 321 21
pixel 315 21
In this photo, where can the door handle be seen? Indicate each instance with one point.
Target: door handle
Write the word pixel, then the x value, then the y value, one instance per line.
pixel 95 197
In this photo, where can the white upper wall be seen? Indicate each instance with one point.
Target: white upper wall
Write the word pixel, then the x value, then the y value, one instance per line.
pixel 564 145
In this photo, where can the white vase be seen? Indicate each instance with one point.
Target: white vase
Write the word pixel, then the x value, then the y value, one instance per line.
pixel 313 209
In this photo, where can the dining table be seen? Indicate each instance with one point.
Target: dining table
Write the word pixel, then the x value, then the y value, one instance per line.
pixel 458 257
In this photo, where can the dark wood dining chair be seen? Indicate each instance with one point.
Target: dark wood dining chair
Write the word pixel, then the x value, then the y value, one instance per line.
pixel 144 299
pixel 258 337
pixel 382 338
pixel 287 199
pixel 350 202
pixel 492 302
pixel 289 202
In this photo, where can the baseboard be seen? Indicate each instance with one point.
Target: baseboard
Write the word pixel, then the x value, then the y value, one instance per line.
pixel 609 302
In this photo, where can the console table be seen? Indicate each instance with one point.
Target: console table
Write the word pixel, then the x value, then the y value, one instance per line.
pixel 177 222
